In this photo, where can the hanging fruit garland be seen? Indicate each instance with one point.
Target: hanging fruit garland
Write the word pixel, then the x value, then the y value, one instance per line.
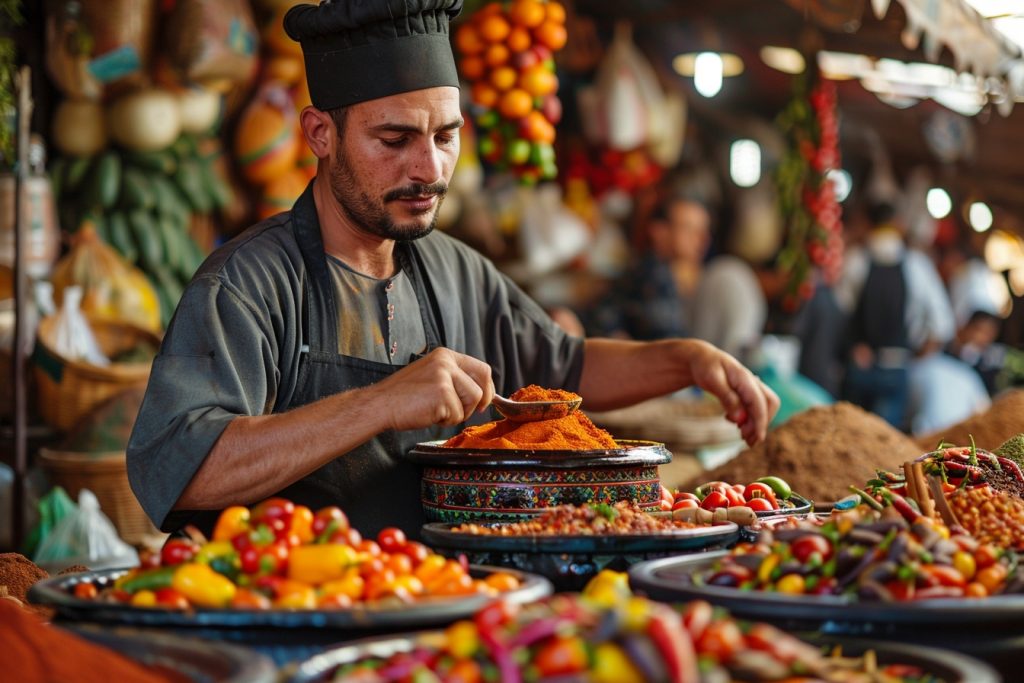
pixel 807 199
pixel 506 52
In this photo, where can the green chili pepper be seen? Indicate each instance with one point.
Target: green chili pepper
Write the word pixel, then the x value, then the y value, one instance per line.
pixel 151 579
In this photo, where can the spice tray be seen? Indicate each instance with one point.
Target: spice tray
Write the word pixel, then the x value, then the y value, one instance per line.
pixel 283 635
pixel 497 485
pixel 990 629
pixel 946 666
pixel 196 660
pixel 570 561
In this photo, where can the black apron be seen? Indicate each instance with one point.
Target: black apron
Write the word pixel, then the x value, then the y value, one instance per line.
pixel 373 483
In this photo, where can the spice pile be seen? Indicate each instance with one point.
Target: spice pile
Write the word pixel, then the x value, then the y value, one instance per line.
pixel 1002 420
pixel 36 653
pixel 601 519
pixel 820 452
pixel 574 432
pixel 991 516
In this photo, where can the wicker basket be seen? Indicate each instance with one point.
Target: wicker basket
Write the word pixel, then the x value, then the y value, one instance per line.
pixel 106 475
pixel 68 389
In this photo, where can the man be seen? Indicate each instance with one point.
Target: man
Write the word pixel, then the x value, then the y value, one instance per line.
pixel 313 351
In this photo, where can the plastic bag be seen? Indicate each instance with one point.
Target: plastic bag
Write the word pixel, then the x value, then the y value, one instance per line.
pixel 86 536
pixel 73 338
pixel 53 507
pixel 114 290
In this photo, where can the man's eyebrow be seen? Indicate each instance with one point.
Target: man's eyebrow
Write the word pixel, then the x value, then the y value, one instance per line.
pixel 408 128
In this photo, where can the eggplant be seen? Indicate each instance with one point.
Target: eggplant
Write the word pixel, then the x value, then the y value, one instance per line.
pixel 794 567
pixel 898 548
pixel 853 574
pixel 885 526
pixel 790 535
pixel 872 590
pixel 881 572
pixel 863 536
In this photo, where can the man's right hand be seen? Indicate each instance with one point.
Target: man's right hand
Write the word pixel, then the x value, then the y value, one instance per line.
pixel 442 388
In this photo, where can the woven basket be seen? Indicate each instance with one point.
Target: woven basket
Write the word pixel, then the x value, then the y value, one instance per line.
pixel 68 389
pixel 106 475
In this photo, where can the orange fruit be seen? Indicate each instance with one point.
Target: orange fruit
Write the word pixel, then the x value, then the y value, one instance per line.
pixel 468 40
pixel 551 35
pixel 528 13
pixel 496 55
pixel 503 78
pixel 536 128
pixel 472 68
pixel 515 104
pixel 519 39
pixel 538 81
pixel 555 12
pixel 494 28
pixel 484 94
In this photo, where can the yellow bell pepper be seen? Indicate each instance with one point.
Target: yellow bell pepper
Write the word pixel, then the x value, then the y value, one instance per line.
pixel 295 595
pixel 613 665
pixel 202 586
pixel 233 521
pixel 462 639
pixel 608 588
pixel 212 550
pixel 318 564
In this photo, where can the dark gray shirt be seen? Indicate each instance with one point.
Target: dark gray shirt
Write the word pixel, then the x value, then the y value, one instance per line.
pixel 234 345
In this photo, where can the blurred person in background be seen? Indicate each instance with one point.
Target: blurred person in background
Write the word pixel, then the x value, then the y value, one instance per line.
pixel 897 309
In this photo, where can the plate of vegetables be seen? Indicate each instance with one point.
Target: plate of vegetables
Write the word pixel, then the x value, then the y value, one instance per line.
pixel 607 635
pixel 767 496
pixel 282 566
pixel 569 544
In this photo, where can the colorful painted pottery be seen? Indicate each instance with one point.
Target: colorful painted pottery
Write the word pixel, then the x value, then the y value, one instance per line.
pixel 468 485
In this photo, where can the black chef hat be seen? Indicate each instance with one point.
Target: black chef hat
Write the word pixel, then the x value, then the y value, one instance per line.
pixel 359 50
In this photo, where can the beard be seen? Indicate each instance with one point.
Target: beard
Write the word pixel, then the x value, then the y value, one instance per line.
pixel 371 216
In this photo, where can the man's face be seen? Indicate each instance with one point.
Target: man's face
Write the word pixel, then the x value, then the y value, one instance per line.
pixel 690 230
pixel 394 160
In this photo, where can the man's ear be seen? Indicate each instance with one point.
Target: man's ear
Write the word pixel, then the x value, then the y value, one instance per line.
pixel 319 130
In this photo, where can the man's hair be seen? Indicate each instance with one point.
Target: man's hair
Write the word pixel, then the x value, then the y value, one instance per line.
pixel 881 211
pixel 339 116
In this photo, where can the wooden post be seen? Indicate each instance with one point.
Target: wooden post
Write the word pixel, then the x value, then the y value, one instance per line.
pixel 23 116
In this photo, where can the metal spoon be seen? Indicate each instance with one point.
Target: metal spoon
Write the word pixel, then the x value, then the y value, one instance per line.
pixel 534 411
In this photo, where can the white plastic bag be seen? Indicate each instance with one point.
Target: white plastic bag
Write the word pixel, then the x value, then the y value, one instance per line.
pixel 73 337
pixel 87 537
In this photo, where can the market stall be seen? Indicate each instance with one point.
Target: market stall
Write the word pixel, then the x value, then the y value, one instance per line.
pixel 615 534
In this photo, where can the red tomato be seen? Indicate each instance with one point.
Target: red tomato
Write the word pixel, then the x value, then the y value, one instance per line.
pixel 686 495
pixel 720 640
pixel 178 551
pixel 760 490
pixel 274 509
pixel 417 552
pixel 391 539
pixel 168 597
pixel 734 497
pixel 561 655
pixel 328 520
pixel 806 546
pixel 685 504
pixel 714 500
pixel 759 505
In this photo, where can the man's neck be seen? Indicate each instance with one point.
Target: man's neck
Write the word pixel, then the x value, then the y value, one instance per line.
pixel 362 252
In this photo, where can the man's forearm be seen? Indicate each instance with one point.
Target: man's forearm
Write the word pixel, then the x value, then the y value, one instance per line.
pixel 618 373
pixel 257 456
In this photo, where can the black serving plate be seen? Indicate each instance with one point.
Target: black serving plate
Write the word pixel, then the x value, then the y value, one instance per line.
pixel 284 635
pixel 570 561
pixel 636 453
pixel 991 629
pixel 947 666
pixel 198 660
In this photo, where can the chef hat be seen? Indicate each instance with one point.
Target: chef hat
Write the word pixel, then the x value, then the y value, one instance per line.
pixel 359 50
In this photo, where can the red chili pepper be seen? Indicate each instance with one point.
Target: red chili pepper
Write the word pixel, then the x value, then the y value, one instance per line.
pixel 900 504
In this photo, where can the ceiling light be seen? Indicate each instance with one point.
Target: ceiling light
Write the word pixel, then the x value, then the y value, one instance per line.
pixel 938 202
pixel 1003 251
pixel 686 64
pixel 842 183
pixel 745 162
pixel 980 216
pixel 784 59
pixel 707 74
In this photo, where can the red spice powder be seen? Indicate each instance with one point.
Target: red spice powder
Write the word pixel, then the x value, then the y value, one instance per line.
pixel 574 432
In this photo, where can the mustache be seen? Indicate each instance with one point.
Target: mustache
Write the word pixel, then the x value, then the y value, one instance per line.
pixel 417 190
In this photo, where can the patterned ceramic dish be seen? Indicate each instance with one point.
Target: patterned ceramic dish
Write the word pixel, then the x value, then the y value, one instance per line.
pixel 466 485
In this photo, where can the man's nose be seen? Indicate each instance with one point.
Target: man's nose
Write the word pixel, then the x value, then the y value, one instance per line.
pixel 427 166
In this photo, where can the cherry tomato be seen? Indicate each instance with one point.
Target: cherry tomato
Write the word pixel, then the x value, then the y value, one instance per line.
pixel 805 547
pixel 760 505
pixel 720 640
pixel 391 539
pixel 562 655
pixel 273 509
pixel 85 590
pixel 760 490
pixel 416 551
pixel 328 520
pixel 178 551
pixel 370 547
pixel 714 500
